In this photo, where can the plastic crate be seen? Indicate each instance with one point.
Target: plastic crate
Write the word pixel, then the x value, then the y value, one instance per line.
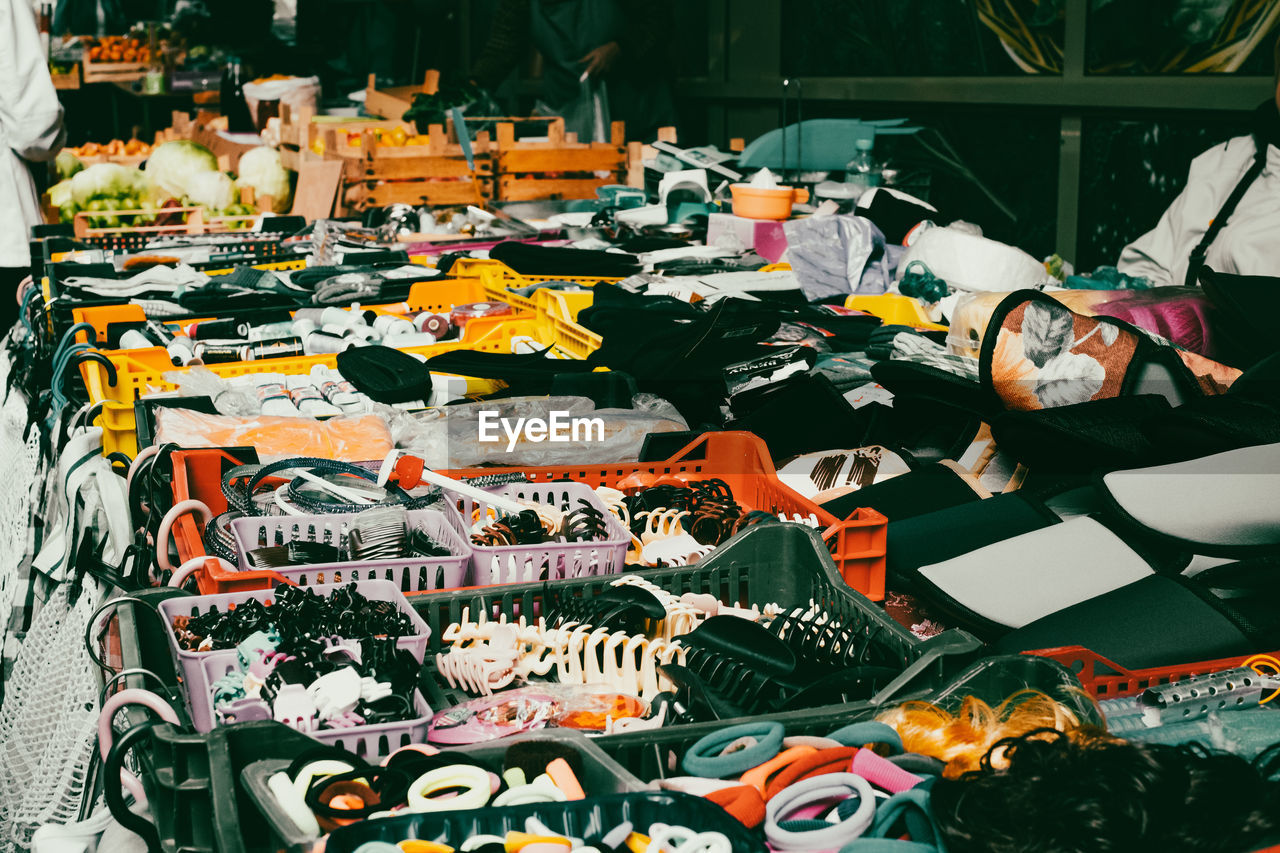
pixel 1108 680
pixel 550 560
pixel 499 280
pixel 742 461
pixel 558 321
pixel 600 775
pixel 895 310
pixel 575 818
pixel 197 475
pixel 409 574
pixel 784 564
pixel 201 669
pixel 142 371
pixel 657 754
pixel 190 778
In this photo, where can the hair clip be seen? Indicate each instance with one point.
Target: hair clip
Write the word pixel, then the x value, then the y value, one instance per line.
pixel 585 524
pixel 294 707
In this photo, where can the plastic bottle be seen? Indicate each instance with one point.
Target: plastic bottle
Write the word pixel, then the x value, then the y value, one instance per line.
pixel 863 169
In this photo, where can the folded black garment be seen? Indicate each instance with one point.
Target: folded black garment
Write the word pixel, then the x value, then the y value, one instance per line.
pixel 931 538
pixel 1244 323
pixel 1261 381
pixel 384 374
pixel 914 379
pixel 896 216
pixel 527 259
pixel 1212 425
pixel 524 374
pixel 1224 612
pixel 934 487
pixel 801 414
pixel 1098 434
pixel 661 338
pixel 611 389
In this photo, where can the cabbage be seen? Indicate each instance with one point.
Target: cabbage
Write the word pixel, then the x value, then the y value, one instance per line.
pixel 68 164
pixel 106 180
pixel 263 170
pixel 213 190
pixel 172 166
pixel 60 194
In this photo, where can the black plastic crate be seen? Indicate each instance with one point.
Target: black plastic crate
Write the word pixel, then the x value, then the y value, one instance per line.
pixel 600 775
pixel 576 818
pixel 657 753
pixel 786 564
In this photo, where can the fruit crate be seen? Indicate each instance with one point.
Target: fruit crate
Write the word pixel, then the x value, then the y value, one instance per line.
pixel 784 564
pixel 559 167
pixel 113 72
pixel 741 459
pixel 1106 679
pixel 437 173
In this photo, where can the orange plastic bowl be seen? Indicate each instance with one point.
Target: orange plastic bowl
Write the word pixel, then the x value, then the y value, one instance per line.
pixel 755 203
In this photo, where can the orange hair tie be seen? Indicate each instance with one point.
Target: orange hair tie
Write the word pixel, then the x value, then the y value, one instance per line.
pixel 757 777
pixel 743 802
pixel 818 763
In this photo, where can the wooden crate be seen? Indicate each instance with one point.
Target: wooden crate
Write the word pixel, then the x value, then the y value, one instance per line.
pixel 433 174
pixel 394 102
pixel 70 80
pixel 113 72
pixel 559 168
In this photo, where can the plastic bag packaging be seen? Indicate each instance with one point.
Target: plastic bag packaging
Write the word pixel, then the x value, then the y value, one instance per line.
pixel 970 262
pixel 830 253
pixel 355 439
pixel 227 398
pixel 450 437
pixel 590 707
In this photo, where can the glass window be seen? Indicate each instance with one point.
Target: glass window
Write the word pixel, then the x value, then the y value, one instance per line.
pixel 1131 171
pixel 1181 36
pixel 930 38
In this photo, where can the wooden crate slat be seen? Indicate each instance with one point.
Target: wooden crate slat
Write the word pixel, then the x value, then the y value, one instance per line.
pixel 511 188
pixel 604 159
pixel 423 192
pixel 418 167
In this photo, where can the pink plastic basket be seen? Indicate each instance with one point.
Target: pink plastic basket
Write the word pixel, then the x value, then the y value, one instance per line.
pixel 370 741
pixel 410 574
pixel 552 560
pixel 191 662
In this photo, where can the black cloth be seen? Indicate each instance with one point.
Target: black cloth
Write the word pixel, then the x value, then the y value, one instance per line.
pixel 801 414
pixel 10 278
pixel 928 489
pixel 384 374
pixel 1096 435
pixel 1157 621
pixel 1244 321
pixel 555 261
pixel 937 536
pixel 896 216
pixel 531 374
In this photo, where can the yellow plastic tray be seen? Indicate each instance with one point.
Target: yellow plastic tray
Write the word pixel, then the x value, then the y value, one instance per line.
pixel 895 310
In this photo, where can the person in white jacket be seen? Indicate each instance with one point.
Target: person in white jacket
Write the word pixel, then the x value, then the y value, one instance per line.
pixel 1226 218
pixel 30 131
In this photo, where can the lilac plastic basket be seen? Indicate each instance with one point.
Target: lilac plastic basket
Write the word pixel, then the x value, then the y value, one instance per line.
pixel 192 663
pixel 370 741
pixel 410 574
pixel 556 560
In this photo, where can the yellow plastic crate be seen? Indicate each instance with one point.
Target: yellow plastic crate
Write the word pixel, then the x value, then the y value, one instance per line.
pixel 895 310
pixel 557 320
pixel 119 429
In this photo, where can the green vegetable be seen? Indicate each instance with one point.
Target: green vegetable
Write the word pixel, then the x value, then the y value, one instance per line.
pixel 172 167
pixel 60 195
pixel 68 164
pixel 263 170
pixel 214 190
pixel 107 180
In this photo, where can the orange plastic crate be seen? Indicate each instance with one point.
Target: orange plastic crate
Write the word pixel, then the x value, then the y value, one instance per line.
pixel 742 460
pixel 1106 679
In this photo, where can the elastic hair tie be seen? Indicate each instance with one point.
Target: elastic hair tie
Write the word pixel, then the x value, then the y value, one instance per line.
pixel 704 758
pixel 813 791
pixel 861 734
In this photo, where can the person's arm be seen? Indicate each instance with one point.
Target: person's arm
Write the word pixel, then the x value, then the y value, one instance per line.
pixel 508 38
pixel 30 114
pixel 1162 254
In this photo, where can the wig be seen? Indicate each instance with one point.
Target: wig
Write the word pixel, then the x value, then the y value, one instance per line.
pixel 1085 791
pixel 963 738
